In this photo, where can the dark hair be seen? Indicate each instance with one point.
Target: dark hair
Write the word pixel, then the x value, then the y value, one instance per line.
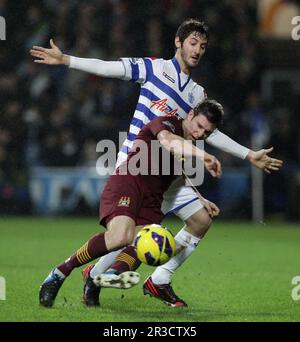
pixel 189 26
pixel 212 109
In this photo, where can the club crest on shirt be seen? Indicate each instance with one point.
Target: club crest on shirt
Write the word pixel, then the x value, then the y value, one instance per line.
pixel 191 97
pixel 124 201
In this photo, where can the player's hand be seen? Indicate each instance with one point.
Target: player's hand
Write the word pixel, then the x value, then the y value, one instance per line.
pixel 52 56
pixel 263 161
pixel 211 207
pixel 212 165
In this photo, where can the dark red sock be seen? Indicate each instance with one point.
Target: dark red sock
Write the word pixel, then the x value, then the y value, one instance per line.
pixel 91 250
pixel 126 261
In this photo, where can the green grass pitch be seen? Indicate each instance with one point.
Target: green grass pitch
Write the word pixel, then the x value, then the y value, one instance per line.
pixel 239 272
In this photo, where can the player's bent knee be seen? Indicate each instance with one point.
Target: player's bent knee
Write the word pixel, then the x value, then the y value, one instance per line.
pixel 125 236
pixel 118 238
pixel 199 223
pixel 130 234
pixel 120 233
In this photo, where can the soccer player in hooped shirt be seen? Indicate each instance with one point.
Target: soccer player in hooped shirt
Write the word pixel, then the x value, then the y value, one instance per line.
pixel 166 88
pixel 128 202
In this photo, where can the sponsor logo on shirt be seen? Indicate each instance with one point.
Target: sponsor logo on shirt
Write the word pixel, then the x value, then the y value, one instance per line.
pixel 168 77
pixel 163 107
pixel 124 201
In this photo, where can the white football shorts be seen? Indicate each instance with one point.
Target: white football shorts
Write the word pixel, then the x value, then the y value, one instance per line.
pixel 181 200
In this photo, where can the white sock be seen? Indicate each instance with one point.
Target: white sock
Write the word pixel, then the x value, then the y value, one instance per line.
pixel 104 263
pixel 185 245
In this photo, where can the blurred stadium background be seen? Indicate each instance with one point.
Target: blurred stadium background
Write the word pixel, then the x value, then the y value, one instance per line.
pixel 52 118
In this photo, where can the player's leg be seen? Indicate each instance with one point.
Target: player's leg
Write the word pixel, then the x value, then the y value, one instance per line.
pixel 91 290
pixel 120 201
pixel 120 232
pixel 121 273
pixel 159 283
pixel 105 262
pixel 127 260
pixel 187 239
pixel 125 194
pixel 197 223
pixel 123 261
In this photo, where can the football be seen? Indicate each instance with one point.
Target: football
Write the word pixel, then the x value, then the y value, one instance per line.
pixel 155 245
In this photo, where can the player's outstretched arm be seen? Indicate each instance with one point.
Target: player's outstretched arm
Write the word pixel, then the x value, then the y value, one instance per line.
pixel 223 142
pixel 263 161
pixel 259 159
pixel 52 56
pixel 181 147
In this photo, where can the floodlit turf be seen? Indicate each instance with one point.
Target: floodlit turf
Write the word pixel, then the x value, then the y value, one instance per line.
pixel 239 272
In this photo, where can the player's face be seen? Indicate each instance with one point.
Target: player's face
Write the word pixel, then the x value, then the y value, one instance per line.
pixel 198 127
pixel 192 49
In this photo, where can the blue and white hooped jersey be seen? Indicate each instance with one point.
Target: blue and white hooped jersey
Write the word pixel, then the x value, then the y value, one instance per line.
pixel 165 90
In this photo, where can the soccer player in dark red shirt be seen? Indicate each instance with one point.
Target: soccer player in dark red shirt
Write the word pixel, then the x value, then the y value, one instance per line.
pixel 130 201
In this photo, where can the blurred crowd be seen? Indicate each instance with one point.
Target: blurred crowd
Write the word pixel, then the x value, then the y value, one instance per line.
pixel 53 116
